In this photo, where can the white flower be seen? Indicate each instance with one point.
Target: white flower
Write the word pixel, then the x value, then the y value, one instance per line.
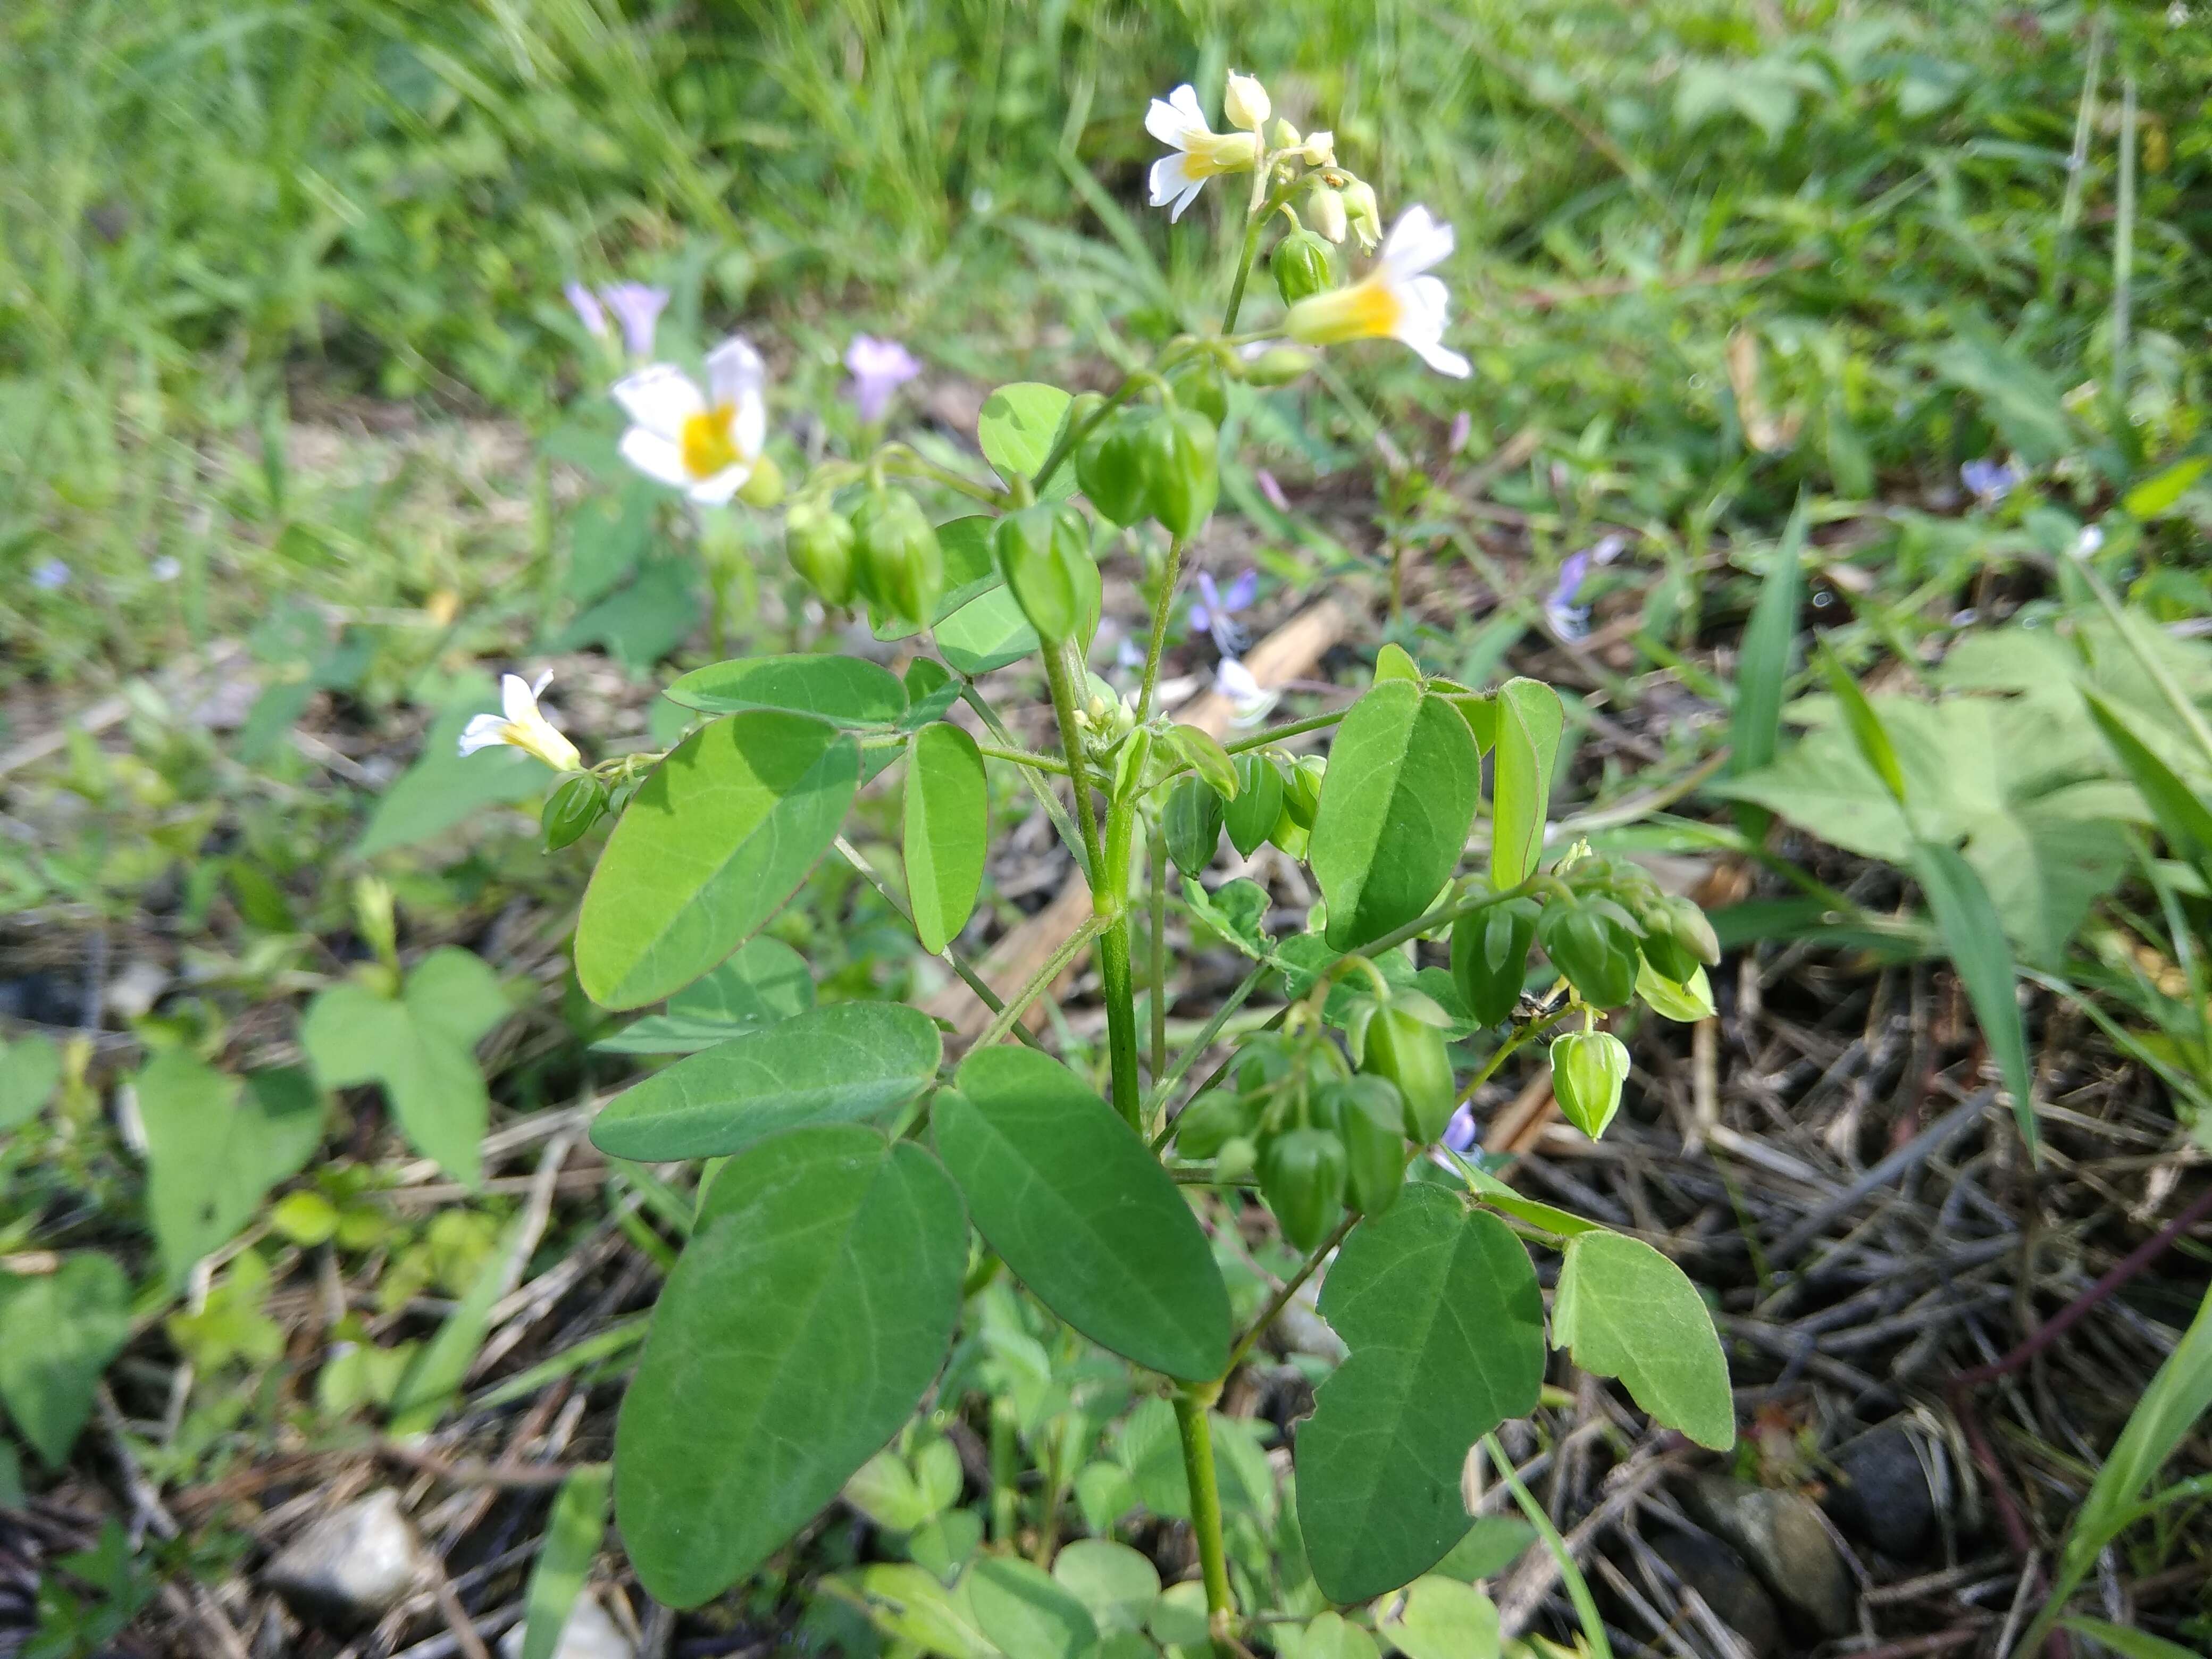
pixel 1319 150
pixel 1198 152
pixel 704 443
pixel 1397 299
pixel 521 726
pixel 1248 700
pixel 1245 103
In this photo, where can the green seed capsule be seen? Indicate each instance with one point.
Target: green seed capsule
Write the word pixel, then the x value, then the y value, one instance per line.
pixel 1278 366
pixel 1301 799
pixel 1180 465
pixel 1369 1115
pixel 1111 468
pixel 1301 267
pixel 1289 833
pixel 1197 384
pixel 1251 817
pixel 1588 1069
pixel 1411 1053
pixel 897 561
pixel 1694 929
pixel 1044 553
pixel 1191 822
pixel 573 807
pixel 1490 957
pixel 1212 1120
pixel 1302 1177
pixel 818 542
pixel 1592 942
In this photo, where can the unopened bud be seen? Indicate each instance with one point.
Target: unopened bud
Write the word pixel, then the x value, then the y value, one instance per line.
pixel 1283 135
pixel 1301 265
pixel 1366 218
pixel 763 486
pixel 1245 103
pixel 1319 150
pixel 1325 212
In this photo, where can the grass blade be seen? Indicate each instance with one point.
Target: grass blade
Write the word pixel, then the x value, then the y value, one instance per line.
pixel 1763 672
pixel 1974 936
pixel 573 1534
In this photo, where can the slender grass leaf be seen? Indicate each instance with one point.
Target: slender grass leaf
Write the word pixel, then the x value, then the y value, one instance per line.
pixel 215 1147
pixel 715 843
pixel 948 804
pixel 1526 722
pixel 849 1062
pixel 1397 803
pixel 434 1376
pixel 1440 1309
pixel 2182 815
pixel 1023 1611
pixel 2158 492
pixel 1067 1192
pixel 809 1311
pixel 1623 1310
pixel 1974 936
pixel 2127 1643
pixel 573 1535
pixel 1763 666
pixel 58 1332
pixel 1865 725
pixel 848 691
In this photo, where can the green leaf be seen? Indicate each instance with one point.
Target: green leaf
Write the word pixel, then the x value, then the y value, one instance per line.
pixel 639 623
pixel 572 1533
pixel 438 1368
pixel 1023 1611
pixel 846 1063
pixel 764 982
pixel 1394 662
pixel 1763 664
pixel 2182 817
pixel 1328 1637
pixel 1975 938
pixel 58 1332
pixel 1067 1192
pixel 808 1313
pixel 846 691
pixel 2022 400
pixel 948 807
pixel 1206 757
pixel 1528 721
pixel 930 691
pixel 2129 1643
pixel 1625 1310
pixel 1864 724
pixel 1443 1619
pixel 715 843
pixel 421 1047
pixel 1440 1309
pixel 909 1605
pixel 1017 425
pixel 1396 802
pixel 214 1149
pixel 1492 1545
pixel 2158 492
pixel 444 789
pixel 987 633
pixel 904 1498
pixel 1688 1000
pixel 1116 1583
pixel 29 1068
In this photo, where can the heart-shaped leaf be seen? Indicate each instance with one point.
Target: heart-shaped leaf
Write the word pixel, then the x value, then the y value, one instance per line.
pixel 213 1148
pixel 1623 1310
pixel 1068 1194
pixel 1440 1309
pixel 1023 1611
pixel 843 690
pixel 1396 802
pixel 808 1313
pixel 845 1063
pixel 948 807
pixel 1443 1619
pixel 58 1332
pixel 1017 428
pixel 1529 721
pixel 715 843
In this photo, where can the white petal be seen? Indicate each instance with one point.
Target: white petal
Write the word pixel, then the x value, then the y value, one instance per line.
pixel 483 731
pixel 537 686
pixel 1443 358
pixel 1190 195
pixel 734 368
pixel 1427 305
pixel 1184 100
pixel 1416 242
pixel 660 397
pixel 1165 123
pixel 517 698
pixel 749 430
pixel 657 457
pixel 1170 178
pixel 718 490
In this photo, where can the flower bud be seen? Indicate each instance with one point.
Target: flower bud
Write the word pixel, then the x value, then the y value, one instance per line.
pixel 1246 103
pixel 763 485
pixel 1283 135
pixel 1325 212
pixel 1179 451
pixel 1302 800
pixel 1302 265
pixel 1278 366
pixel 574 806
pixel 1592 942
pixel 818 542
pixel 1365 218
pixel 1212 1120
pixel 897 561
pixel 1588 1069
pixel 1319 150
pixel 1694 929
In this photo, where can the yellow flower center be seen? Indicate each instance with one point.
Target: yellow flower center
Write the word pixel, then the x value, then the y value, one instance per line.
pixel 1214 153
pixel 708 445
pixel 1367 310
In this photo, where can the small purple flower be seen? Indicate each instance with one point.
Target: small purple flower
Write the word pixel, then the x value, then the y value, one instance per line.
pixel 1462 428
pixel 1272 490
pixel 1216 612
pixel 589 312
pixel 1462 1134
pixel 637 306
pixel 49 576
pixel 879 368
pixel 1568 620
pixel 1989 481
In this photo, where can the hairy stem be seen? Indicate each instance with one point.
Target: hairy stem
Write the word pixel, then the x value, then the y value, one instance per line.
pixel 1157 893
pixel 1206 1516
pixel 1009 1017
pixel 1170 573
pixel 1281 1299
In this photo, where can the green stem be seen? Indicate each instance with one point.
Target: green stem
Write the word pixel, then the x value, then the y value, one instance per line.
pixel 1023 758
pixel 1170 573
pixel 1206 1516
pixel 1236 998
pixel 1068 440
pixel 1008 1017
pixel 911 465
pixel 1282 1298
pixel 1157 892
pixel 1578 1590
pixel 1262 209
pixel 1070 836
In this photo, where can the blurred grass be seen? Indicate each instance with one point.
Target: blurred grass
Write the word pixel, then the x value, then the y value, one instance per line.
pixel 213 219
